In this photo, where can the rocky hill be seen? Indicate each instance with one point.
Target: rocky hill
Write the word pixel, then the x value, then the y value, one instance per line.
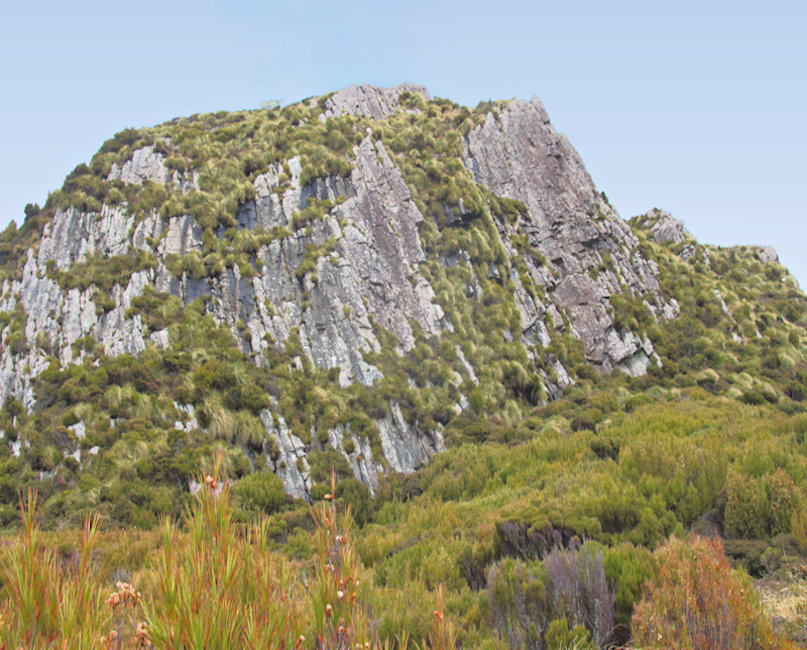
pixel 358 280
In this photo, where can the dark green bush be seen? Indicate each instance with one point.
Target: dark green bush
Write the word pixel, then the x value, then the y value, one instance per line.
pixel 260 491
pixel 357 495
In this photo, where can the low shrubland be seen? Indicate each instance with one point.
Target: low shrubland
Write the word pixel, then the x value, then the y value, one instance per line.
pixel 523 546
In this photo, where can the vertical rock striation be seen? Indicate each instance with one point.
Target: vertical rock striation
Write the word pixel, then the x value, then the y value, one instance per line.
pixel 591 252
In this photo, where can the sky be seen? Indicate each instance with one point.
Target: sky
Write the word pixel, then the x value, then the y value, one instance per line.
pixel 699 108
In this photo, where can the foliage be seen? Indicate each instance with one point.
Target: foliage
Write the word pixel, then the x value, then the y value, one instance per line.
pixel 261 491
pixel 761 507
pixel 218 584
pixel 50 600
pixel 713 439
pixel 695 600
pixel 214 590
pixel 580 592
pixel 518 604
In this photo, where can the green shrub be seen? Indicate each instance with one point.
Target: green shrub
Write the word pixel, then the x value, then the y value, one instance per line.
pixel 323 462
pixel 518 603
pixel 798 525
pixel 627 568
pixel 356 495
pixel 260 491
pixel 761 507
pixel 753 397
pixel 560 637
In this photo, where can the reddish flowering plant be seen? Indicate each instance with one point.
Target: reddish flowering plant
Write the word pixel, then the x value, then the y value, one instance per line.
pixel 127 632
pixel 48 604
pixel 217 586
pixel 444 635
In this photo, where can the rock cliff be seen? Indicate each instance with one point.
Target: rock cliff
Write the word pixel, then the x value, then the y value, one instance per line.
pixel 518 154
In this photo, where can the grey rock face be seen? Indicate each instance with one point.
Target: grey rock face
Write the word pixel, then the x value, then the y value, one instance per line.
pixel 404 446
pixel 370 273
pixel 183 235
pixel 60 318
pixel 292 463
pixel 591 252
pixel 365 468
pixel 145 165
pixel 74 234
pixel 768 254
pixel 664 228
pixel 369 101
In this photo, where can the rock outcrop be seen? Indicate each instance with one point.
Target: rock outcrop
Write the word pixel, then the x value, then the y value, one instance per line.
pixel 591 251
pixel 768 254
pixel 369 101
pixel 370 275
pixel 664 228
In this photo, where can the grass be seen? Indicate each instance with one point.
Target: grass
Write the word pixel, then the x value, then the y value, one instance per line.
pixel 215 583
pixel 46 603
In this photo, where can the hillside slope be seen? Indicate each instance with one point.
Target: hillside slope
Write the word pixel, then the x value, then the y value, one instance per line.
pixel 358 280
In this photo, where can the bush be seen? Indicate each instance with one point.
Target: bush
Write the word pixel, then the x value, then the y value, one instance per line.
pixel 687 474
pixel 579 591
pixel 560 637
pixel 570 587
pixel 761 507
pixel 254 398
pixel 798 525
pixel 262 491
pixel 125 138
pixel 695 600
pixel 357 495
pixel 323 462
pixel 627 567
pixel 753 397
pixel 518 605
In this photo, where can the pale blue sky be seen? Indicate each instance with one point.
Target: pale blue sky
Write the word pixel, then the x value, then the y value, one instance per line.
pixel 694 107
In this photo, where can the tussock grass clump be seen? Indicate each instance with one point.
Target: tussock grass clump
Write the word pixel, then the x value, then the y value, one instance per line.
pixel 50 601
pixel 218 587
pixel 215 583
